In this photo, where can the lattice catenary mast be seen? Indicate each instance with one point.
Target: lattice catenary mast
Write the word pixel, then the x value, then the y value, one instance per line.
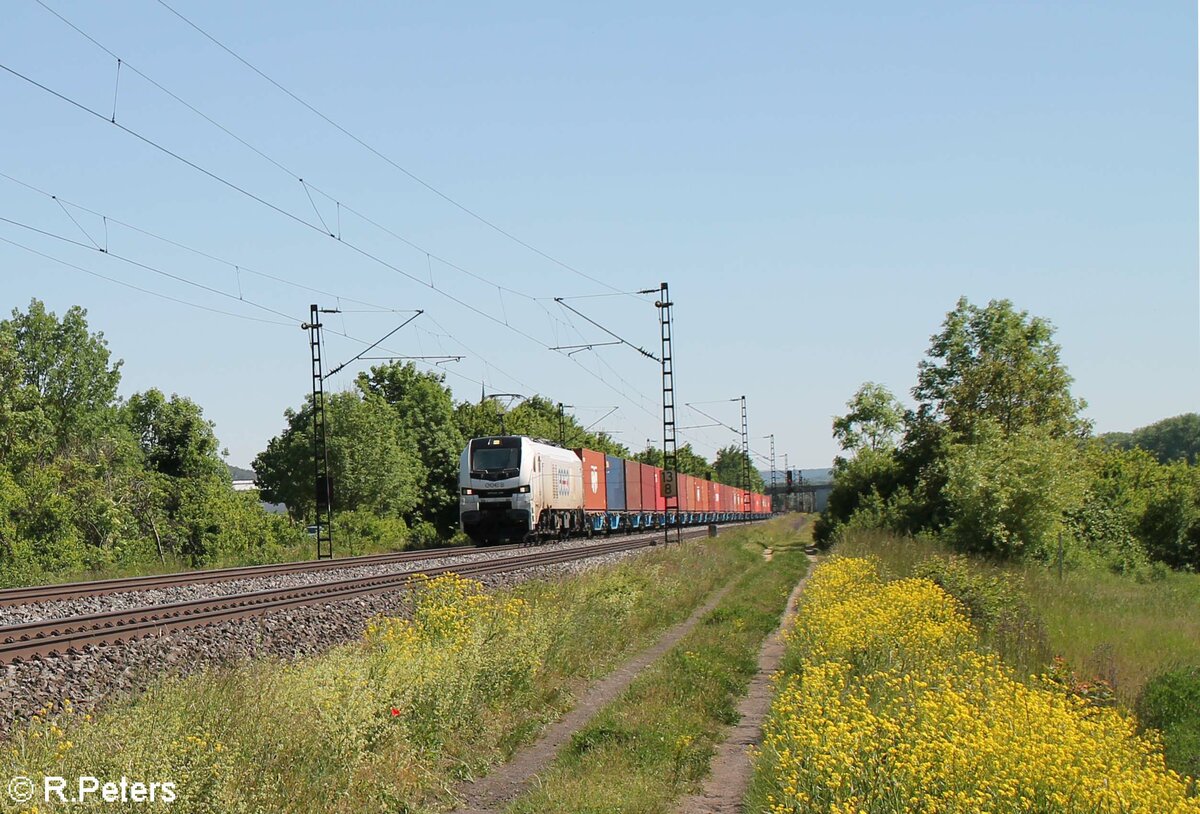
pixel 745 461
pixel 670 478
pixel 323 487
pixel 772 493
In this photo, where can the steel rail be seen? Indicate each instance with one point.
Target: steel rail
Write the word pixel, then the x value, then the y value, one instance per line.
pixel 75 590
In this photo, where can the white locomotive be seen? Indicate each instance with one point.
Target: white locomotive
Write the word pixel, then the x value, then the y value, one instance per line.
pixel 515 488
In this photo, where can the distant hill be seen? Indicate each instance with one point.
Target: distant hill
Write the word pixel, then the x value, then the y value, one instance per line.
pixel 817 476
pixel 813 477
pixel 1172 439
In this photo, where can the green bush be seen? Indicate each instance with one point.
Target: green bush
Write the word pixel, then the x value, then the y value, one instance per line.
pixel 864 484
pixel 1101 529
pixel 995 604
pixel 362 530
pixel 1170 527
pixel 424 535
pixel 1007 493
pixel 1170 703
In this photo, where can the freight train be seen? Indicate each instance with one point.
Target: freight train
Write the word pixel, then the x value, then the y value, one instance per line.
pixel 515 488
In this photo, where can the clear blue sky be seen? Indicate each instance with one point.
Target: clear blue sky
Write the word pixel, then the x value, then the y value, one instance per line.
pixel 819 183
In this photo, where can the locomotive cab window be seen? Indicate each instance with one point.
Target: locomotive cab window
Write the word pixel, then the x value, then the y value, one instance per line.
pixel 495 454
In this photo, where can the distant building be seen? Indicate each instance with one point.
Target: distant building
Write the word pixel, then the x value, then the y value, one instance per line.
pixel 243 481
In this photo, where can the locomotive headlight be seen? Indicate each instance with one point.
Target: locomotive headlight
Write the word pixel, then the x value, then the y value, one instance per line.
pixel 523 490
pixel 467 491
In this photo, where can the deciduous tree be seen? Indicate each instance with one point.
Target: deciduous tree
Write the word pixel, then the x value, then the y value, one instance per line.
pixel 731 466
pixel 872 422
pixel 1000 365
pixel 67 368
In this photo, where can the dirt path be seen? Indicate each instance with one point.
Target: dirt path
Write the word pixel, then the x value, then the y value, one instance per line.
pixel 489 795
pixel 732 769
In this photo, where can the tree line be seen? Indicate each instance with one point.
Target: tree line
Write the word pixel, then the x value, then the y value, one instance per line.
pixel 394 442
pixel 997 459
pixel 93 482
pixel 89 481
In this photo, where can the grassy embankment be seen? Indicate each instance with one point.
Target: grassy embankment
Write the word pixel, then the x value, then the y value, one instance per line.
pixel 1109 638
pixel 1104 625
pixel 654 743
pixel 891 703
pixel 388 724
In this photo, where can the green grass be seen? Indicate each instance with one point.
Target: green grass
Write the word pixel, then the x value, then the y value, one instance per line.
pixel 386 725
pixel 655 742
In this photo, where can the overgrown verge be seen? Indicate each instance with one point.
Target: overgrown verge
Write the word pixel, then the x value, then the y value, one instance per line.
pixel 391 723
pixel 889 703
pixel 1107 627
pixel 652 744
pixel 1104 637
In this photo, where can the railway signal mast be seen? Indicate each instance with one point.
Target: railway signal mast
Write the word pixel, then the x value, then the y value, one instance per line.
pixel 562 423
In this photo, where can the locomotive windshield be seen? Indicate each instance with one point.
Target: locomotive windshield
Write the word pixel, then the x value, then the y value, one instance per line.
pixel 495 454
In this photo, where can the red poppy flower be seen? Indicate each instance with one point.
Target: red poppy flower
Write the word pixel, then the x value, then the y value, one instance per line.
pixel 395 711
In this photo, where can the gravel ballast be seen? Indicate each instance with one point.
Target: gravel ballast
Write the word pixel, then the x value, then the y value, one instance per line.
pixel 102 674
pixel 64 608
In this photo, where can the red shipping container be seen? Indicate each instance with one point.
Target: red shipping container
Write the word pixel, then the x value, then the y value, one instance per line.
pixel 705 489
pixel 649 485
pixel 594 483
pixel 633 486
pixel 711 506
pixel 685 492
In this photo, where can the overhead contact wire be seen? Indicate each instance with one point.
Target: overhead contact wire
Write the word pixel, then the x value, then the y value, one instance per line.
pixel 384 157
pixel 267 203
pixel 144 290
pixel 149 268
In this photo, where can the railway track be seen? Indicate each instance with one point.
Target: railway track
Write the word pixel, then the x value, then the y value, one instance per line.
pixel 75 590
pixel 72 634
